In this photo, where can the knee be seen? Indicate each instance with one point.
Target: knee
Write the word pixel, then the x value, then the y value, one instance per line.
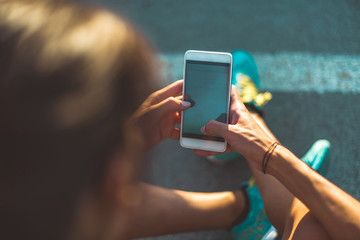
pixel 306 227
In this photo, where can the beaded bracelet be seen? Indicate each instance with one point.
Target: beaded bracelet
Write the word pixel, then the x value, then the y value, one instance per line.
pixel 267 155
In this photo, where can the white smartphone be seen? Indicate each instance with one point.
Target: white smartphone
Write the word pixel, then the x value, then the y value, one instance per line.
pixel 207 86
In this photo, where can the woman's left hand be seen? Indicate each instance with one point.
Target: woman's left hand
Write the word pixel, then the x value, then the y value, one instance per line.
pixel 244 135
pixel 160 113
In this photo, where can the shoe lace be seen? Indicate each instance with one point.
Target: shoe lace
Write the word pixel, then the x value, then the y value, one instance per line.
pixel 249 92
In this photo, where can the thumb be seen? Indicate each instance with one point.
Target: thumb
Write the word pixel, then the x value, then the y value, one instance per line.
pixel 214 127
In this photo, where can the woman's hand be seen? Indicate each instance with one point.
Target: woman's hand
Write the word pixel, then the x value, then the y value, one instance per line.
pixel 159 114
pixel 243 134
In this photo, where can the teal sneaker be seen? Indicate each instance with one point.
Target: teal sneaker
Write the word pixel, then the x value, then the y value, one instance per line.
pixel 245 77
pixel 256 225
pixel 318 156
pixel 244 64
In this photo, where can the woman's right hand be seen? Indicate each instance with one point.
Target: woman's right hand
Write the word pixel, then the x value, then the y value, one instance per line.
pixel 243 134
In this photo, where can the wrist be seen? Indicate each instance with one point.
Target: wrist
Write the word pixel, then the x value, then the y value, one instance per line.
pixel 268 155
pixel 282 161
pixel 275 159
pixel 258 150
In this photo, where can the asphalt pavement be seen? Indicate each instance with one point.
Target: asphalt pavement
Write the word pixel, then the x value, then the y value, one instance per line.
pixel 308 54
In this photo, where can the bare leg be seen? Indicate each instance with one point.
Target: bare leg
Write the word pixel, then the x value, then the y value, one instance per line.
pixel 288 215
pixel 168 211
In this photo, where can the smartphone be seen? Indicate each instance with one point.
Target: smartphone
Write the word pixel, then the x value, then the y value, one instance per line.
pixel 207 86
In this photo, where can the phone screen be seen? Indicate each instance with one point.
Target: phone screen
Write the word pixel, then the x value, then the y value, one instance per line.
pixel 206 87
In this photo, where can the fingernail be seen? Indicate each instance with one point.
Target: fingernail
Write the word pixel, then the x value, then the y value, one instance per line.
pixel 202 129
pixel 185 104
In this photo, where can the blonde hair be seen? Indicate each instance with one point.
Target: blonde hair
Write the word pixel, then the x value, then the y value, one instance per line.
pixel 70 77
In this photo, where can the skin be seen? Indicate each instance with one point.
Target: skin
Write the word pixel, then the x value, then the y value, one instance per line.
pixel 157 118
pixel 314 209
pixel 316 205
pixel 159 114
pixel 135 209
pixel 288 213
pixel 168 211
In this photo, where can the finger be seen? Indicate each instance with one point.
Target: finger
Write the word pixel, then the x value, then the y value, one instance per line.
pixel 203 153
pixel 179 97
pixel 234 117
pixel 236 105
pixel 177 119
pixel 175 134
pixel 171 104
pixel 215 127
pixel 235 95
pixel 236 98
pixel 171 90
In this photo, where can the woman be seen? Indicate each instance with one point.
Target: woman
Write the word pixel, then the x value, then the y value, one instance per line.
pixel 71 76
pixel 75 122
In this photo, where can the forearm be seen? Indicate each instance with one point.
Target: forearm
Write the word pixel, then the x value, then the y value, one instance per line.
pixel 167 211
pixel 336 210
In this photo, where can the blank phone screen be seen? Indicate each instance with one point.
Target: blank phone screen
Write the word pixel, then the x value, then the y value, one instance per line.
pixel 206 87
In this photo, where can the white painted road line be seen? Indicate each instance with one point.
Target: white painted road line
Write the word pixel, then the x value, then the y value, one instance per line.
pixel 292 71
